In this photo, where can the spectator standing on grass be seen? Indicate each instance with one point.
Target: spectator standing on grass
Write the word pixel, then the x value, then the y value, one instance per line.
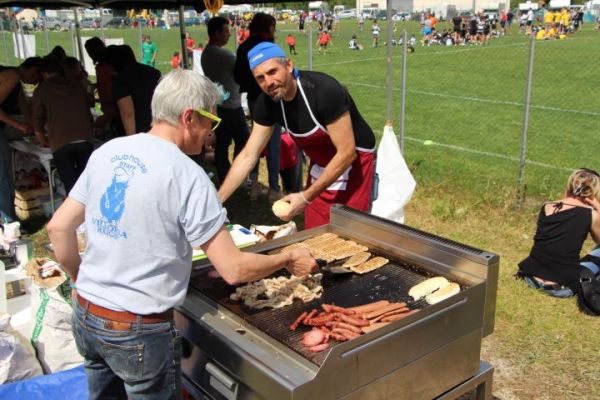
pixel 190 43
pixel 62 120
pixel 301 22
pixel 361 21
pixel 530 18
pixel 218 65
pixel 149 51
pixel 375 31
pixel 133 87
pixel 262 29
pixel 553 264
pixel 145 204
pixel 323 41
pixel 12 104
pixel 291 42
pixel 176 60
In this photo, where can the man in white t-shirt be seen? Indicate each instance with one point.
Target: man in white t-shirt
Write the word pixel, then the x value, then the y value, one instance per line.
pixel 145 203
pixel 375 31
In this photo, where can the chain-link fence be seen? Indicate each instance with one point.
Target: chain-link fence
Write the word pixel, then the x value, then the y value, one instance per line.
pixel 468 123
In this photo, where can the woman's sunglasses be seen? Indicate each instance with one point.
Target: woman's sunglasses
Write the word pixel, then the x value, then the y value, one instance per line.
pixel 590 171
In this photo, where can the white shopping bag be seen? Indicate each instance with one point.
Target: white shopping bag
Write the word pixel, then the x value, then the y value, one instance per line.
pixel 396 183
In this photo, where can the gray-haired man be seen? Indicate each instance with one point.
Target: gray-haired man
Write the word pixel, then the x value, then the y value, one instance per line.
pixel 145 204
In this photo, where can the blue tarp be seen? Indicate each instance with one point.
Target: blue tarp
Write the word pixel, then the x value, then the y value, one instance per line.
pixel 65 385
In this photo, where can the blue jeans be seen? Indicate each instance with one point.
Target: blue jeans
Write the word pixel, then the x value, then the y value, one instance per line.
pixel 7 183
pixel 141 363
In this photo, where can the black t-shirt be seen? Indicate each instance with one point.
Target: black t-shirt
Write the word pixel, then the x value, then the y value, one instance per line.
pixel 328 100
pixel 139 82
pixel 242 72
pixel 557 246
pixel 456 21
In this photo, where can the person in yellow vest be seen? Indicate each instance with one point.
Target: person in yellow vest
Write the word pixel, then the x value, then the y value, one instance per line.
pixel 548 18
pixel 557 16
pixel 541 34
pixel 565 20
pixel 552 33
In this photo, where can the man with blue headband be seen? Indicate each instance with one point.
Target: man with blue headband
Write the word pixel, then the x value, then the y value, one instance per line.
pixel 321 117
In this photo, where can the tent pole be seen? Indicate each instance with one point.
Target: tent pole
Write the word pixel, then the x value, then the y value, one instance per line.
pixel 101 25
pixel 390 71
pixel 182 32
pixel 78 36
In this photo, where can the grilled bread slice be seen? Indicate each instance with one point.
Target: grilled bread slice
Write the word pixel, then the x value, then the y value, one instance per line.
pixel 357 259
pixel 372 264
pixel 427 287
pixel 447 291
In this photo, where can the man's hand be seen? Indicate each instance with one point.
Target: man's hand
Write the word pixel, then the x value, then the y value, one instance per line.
pixel 301 262
pixel 592 202
pixel 297 205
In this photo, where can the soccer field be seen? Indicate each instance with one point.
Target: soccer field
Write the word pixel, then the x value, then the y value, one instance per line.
pixel 467 100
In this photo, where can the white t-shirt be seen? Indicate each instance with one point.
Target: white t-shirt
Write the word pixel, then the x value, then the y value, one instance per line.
pixel 146 204
pixel 375 30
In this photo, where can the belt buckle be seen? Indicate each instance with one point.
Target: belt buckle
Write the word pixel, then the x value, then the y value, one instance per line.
pixel 117 326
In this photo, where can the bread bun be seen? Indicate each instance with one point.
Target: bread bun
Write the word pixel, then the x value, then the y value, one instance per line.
pixel 281 208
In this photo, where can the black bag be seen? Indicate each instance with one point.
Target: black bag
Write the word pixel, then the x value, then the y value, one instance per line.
pixel 589 291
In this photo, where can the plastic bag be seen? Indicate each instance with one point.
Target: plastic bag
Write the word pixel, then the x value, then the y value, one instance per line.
pixel 396 183
pixel 52 310
pixel 17 358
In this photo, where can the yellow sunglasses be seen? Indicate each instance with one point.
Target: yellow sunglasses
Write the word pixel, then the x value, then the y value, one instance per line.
pixel 216 120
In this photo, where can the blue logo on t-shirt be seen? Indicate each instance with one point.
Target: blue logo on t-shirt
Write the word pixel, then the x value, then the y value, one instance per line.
pixel 112 201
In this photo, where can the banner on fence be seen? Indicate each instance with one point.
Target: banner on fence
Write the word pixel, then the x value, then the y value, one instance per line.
pixel 24 45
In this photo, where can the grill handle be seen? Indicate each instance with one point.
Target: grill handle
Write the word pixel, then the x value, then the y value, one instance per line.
pixel 221 382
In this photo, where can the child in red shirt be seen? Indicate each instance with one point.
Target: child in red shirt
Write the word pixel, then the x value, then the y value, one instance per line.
pixel 324 40
pixel 291 41
pixel 175 60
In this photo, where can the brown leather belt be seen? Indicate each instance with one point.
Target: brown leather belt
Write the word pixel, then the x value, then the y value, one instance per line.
pixel 122 320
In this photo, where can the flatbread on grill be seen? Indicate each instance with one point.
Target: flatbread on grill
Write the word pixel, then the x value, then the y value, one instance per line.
pixel 322 244
pixel 321 238
pixel 348 251
pixel 288 248
pixel 372 264
pixel 357 259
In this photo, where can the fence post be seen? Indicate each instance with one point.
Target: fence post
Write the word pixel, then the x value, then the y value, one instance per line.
pixel 309 52
pixel 403 89
pixel 523 152
pixel 390 71
pixel 4 43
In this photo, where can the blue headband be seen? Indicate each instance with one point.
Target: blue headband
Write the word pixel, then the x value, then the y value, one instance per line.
pixel 262 52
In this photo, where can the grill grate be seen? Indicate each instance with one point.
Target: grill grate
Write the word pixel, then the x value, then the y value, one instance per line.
pixel 390 282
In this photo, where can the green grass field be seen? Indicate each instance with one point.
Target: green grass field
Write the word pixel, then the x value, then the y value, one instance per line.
pixel 469 102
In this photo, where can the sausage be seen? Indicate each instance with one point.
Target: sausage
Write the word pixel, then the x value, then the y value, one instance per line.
pixel 388 308
pixel 399 316
pixel 366 308
pixel 375 326
pixel 338 336
pixel 298 321
pixel 387 314
pixel 313 338
pixel 325 330
pixel 334 308
pixel 309 316
pixel 347 334
pixel 320 319
pixel 319 347
pixel 353 320
pixel 349 327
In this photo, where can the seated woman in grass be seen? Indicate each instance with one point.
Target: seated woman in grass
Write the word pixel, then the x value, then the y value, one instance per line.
pixel 554 261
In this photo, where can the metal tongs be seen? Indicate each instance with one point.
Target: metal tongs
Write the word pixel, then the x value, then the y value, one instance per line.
pixel 334 267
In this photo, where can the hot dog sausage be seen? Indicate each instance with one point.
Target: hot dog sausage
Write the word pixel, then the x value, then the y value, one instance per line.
pixel 353 320
pixel 387 314
pixel 388 308
pixel 399 316
pixel 298 321
pixel 366 308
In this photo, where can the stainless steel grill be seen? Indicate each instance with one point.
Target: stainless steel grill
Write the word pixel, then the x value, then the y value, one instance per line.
pixel 234 352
